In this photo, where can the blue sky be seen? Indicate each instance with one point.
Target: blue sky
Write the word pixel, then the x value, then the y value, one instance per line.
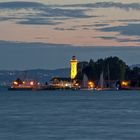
pixel 46 33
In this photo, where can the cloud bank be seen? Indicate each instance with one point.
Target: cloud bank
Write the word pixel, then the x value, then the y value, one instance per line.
pixel 92 22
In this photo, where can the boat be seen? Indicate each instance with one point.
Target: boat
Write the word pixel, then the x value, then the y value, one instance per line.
pixel 87 84
pixel 103 85
pixel 19 84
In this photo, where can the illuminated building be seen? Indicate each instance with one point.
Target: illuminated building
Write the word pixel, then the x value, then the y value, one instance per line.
pixel 61 83
pixel 73 63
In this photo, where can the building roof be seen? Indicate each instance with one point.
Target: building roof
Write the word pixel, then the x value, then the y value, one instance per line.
pixel 61 79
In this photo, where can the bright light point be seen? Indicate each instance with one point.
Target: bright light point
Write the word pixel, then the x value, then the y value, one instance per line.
pixel 125 83
pixel 15 83
pixel 31 83
pixel 91 85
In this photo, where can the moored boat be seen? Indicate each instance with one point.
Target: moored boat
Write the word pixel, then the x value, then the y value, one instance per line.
pixel 19 84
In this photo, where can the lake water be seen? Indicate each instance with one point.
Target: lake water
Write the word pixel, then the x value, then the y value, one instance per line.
pixel 69 115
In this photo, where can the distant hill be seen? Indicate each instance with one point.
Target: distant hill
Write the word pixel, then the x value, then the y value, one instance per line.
pixel 136 65
pixel 7 76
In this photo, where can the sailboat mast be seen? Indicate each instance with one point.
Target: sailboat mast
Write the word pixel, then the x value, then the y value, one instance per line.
pixel 108 74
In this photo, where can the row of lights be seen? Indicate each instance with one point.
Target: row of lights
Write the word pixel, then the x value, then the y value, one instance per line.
pixel 30 83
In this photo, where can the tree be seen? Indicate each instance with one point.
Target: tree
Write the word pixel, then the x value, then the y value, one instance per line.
pixel 112 67
pixel 116 66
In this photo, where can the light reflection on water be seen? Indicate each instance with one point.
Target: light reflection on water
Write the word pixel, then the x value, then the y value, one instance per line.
pixel 69 115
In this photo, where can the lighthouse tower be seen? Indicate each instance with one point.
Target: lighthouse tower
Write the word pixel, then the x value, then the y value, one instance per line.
pixel 73 63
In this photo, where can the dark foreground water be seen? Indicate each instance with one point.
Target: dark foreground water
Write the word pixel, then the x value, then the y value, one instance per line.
pixel 69 115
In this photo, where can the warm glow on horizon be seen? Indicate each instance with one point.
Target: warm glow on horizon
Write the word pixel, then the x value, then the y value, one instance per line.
pixel 45 34
pixel 82 27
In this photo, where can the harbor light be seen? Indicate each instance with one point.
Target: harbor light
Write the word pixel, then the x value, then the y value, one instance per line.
pixel 91 85
pixel 15 83
pixel 124 83
pixel 31 83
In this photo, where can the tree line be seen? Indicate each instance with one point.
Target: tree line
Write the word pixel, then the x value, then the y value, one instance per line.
pixel 113 68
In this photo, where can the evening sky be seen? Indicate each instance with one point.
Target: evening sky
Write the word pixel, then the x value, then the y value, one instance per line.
pixel 46 33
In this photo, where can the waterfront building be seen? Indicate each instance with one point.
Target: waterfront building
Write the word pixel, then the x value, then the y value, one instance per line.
pixel 73 63
pixel 61 82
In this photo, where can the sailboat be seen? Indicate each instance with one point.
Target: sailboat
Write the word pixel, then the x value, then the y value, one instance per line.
pixel 102 84
pixel 85 82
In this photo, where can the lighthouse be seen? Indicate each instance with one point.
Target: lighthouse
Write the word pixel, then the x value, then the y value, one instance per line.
pixel 73 63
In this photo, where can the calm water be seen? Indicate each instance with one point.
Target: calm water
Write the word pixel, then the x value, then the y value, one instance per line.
pixel 69 115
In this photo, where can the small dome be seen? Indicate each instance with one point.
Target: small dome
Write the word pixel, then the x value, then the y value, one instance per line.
pixel 73 57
